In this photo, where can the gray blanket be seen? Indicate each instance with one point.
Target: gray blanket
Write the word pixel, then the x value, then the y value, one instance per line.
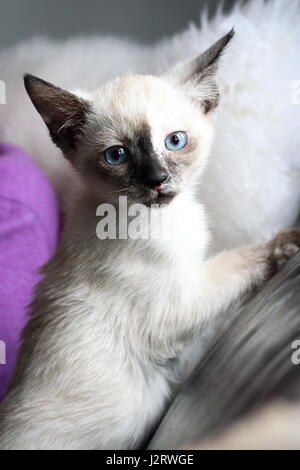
pixel 247 362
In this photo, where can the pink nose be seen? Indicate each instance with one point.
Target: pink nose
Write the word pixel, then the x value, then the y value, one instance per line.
pixel 158 188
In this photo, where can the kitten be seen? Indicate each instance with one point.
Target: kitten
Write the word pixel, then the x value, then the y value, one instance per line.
pixel 94 369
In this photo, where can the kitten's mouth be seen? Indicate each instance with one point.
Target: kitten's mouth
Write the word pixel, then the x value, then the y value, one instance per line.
pixel 160 197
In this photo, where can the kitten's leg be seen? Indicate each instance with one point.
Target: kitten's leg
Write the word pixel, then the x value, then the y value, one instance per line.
pixel 231 274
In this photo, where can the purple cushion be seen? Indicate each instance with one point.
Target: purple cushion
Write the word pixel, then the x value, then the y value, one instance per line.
pixel 29 228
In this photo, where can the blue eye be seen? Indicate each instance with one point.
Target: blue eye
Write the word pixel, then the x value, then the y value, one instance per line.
pixel 176 141
pixel 116 155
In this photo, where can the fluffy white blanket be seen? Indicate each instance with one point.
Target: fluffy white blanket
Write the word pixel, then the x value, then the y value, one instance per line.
pixel 251 186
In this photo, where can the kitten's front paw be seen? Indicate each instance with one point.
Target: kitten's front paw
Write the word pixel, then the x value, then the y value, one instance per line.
pixel 282 248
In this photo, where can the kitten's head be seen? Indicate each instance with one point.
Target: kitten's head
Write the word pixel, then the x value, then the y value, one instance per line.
pixel 140 136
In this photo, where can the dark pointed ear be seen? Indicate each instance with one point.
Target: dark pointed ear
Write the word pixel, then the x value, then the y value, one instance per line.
pixel 198 77
pixel 63 112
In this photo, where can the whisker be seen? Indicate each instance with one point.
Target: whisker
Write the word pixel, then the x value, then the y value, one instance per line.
pixel 120 190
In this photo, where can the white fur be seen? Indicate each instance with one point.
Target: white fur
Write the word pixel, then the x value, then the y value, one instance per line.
pixel 254 172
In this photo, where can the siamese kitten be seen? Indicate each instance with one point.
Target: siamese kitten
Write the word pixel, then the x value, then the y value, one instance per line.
pixel 109 316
